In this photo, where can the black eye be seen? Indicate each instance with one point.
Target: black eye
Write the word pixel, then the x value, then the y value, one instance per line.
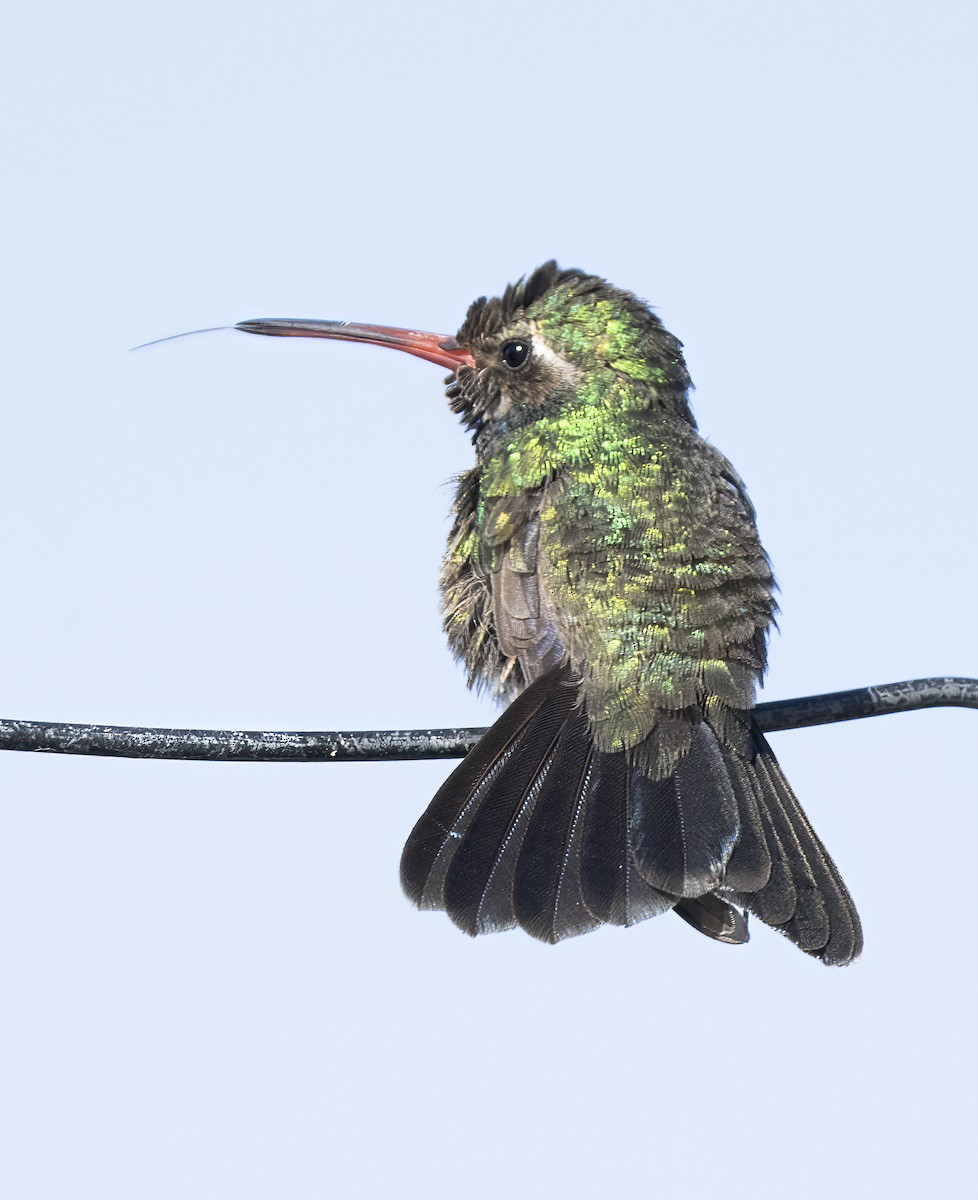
pixel 515 354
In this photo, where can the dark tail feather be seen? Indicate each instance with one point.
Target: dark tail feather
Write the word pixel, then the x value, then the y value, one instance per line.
pixel 749 866
pixel 479 881
pixel 716 918
pixel 774 903
pixel 685 827
pixel 612 887
pixel 546 881
pixel 804 896
pixel 808 926
pixel 437 837
pixel 830 928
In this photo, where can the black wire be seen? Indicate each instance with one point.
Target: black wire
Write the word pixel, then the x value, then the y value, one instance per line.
pixel 228 745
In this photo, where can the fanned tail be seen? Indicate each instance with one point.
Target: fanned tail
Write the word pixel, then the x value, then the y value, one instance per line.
pixel 538 829
pixel 516 836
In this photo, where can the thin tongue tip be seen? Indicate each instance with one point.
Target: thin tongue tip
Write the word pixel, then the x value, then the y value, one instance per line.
pixel 189 333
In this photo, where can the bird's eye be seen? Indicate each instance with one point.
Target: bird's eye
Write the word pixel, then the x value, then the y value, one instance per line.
pixel 515 354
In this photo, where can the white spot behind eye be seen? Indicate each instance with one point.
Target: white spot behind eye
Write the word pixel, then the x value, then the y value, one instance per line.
pixel 564 370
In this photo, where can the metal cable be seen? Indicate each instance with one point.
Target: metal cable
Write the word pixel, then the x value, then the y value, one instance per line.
pixel 230 745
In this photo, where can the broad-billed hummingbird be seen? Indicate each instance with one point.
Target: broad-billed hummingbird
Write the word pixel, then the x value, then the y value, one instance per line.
pixel 605 575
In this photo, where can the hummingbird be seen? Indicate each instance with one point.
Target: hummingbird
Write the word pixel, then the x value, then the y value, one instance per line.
pixel 605 577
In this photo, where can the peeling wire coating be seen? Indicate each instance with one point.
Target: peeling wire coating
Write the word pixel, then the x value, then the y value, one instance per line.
pixel 226 745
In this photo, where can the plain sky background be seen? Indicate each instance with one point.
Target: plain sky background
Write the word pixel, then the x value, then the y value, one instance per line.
pixel 210 983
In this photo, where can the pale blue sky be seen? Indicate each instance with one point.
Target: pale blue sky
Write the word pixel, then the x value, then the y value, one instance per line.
pixel 210 984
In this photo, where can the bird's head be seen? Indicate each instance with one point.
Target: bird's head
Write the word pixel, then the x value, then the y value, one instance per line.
pixel 560 337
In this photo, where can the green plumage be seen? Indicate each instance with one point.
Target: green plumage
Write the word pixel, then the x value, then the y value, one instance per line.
pixel 648 552
pixel 602 545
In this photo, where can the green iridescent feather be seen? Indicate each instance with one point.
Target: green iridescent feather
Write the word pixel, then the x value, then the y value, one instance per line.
pixel 650 557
